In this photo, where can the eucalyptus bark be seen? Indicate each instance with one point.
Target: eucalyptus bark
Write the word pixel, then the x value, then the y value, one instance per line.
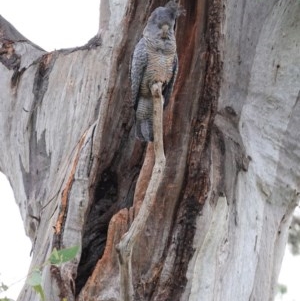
pixel 127 242
pixel 218 224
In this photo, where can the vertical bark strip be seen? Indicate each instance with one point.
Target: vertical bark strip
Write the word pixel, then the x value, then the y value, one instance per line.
pixel 127 242
pixel 225 190
pixel 65 193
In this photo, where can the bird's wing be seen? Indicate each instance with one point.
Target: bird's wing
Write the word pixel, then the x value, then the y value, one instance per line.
pixel 167 91
pixel 138 65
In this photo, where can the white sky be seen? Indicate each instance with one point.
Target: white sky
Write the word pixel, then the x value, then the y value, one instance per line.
pixel 53 25
pixel 15 246
pixel 289 276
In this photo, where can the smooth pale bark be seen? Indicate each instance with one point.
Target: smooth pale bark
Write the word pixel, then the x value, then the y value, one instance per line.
pixel 218 226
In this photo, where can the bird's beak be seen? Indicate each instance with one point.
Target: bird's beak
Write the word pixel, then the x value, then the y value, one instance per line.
pixel 165 29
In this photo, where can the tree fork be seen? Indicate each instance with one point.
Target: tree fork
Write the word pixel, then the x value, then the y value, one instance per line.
pixel 228 110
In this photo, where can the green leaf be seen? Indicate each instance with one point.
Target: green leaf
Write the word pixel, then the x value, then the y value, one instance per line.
pixel 58 257
pixel 40 291
pixel 35 281
pixel 281 289
pixel 6 299
pixel 3 287
pixel 54 255
pixel 35 278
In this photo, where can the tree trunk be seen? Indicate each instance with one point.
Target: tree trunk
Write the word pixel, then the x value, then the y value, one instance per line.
pixel 218 221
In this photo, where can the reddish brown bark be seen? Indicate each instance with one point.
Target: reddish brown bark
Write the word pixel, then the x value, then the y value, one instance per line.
pixel 214 206
pixel 184 188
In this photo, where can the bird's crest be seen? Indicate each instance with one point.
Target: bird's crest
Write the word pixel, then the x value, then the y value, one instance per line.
pixel 176 9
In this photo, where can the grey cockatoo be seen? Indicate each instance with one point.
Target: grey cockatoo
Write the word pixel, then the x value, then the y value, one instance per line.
pixel 154 60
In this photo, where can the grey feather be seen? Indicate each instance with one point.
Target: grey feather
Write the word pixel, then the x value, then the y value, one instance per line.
pixel 154 60
pixel 168 89
pixel 144 119
pixel 138 66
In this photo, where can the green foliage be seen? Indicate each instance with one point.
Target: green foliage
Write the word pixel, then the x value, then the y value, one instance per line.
pixel 57 257
pixel 39 290
pixel 62 256
pixel 281 289
pixel 35 278
pixel 3 288
pixel 35 281
pixel 294 236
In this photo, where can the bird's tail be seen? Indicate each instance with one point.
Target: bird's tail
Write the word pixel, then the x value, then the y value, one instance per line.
pixel 144 120
pixel 144 130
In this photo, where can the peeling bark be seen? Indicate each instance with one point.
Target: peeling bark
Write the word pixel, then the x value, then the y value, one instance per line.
pixel 224 202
